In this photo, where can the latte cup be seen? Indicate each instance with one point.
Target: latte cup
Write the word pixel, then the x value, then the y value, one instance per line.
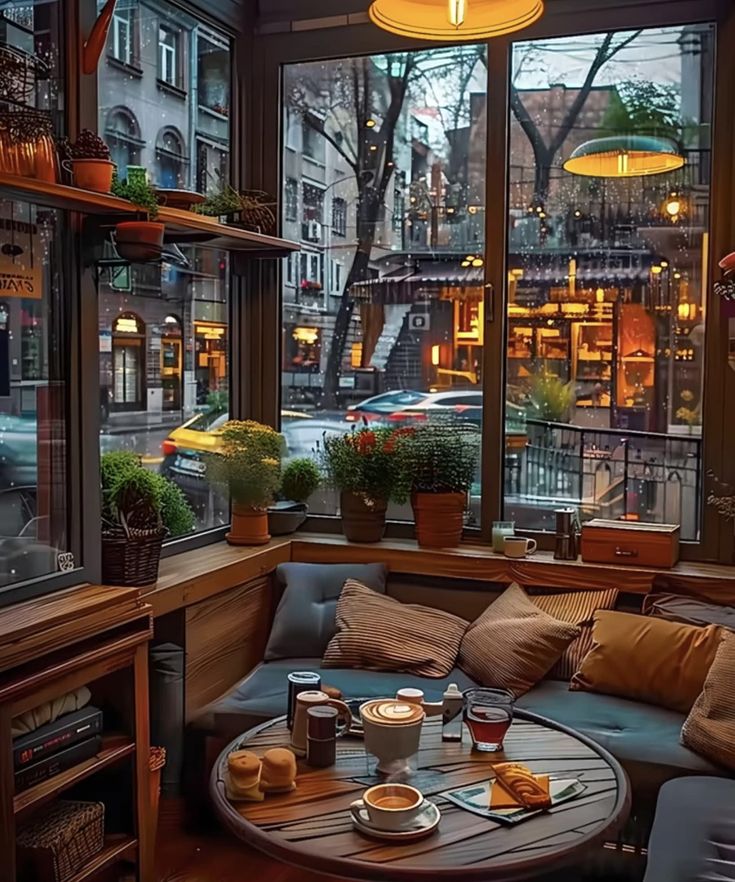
pixel 518 546
pixel 391 806
pixel 392 731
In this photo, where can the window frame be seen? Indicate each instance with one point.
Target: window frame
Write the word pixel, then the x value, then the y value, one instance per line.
pixel 124 19
pixel 304 44
pixel 169 56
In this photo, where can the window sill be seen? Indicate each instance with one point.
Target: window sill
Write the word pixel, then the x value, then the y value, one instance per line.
pixel 130 69
pixel 171 89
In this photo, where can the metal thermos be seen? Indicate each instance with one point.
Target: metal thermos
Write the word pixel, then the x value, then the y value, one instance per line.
pixel 567 534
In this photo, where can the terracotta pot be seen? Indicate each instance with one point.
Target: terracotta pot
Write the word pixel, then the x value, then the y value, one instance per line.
pixel 249 526
pixel 362 522
pixel 139 240
pixel 93 174
pixel 439 518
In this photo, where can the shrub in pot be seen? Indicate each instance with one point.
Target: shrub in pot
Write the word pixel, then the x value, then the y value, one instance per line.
pixel 248 463
pixel 365 467
pixel 88 160
pixel 441 460
pixel 138 241
pixel 139 509
pixel 299 479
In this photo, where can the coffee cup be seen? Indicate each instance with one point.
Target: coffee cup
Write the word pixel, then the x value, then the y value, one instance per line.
pixel 307 700
pixel 518 546
pixel 392 731
pixel 410 695
pixel 391 806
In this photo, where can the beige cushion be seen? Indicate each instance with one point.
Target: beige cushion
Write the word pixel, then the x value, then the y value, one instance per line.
pixel 646 659
pixel 378 633
pixel 514 643
pixel 710 727
pixel 577 608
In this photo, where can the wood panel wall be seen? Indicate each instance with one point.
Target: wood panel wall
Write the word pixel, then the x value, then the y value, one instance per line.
pixel 225 639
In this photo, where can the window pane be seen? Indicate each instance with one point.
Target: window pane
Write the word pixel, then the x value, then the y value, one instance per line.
pixel 164 368
pixel 34 540
pixel 180 134
pixel 383 313
pixel 607 266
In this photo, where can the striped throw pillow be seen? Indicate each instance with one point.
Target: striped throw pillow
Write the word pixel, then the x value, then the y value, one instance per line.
pixel 577 608
pixel 710 727
pixel 514 643
pixel 378 633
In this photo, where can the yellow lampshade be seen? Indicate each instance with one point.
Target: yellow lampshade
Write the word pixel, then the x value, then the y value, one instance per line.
pixel 624 156
pixel 454 21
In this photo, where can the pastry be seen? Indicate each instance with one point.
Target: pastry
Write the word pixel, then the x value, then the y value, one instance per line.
pixel 243 777
pixel 332 691
pixel 278 774
pixel 500 798
pixel 520 782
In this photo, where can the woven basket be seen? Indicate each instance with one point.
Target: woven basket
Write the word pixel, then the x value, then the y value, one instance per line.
pixel 131 556
pixel 57 843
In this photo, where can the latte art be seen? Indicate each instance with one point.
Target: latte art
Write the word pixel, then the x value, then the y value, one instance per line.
pixel 391 712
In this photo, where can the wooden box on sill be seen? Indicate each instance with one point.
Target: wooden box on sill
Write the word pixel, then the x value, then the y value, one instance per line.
pixel 630 542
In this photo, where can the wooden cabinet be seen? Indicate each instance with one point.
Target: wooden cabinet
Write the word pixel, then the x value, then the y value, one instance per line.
pixel 96 637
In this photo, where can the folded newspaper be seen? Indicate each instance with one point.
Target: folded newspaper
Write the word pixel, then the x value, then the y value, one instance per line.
pixel 476 798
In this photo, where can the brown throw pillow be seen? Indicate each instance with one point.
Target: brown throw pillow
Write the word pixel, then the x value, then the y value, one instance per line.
pixel 710 727
pixel 577 608
pixel 513 643
pixel 378 633
pixel 689 610
pixel 652 660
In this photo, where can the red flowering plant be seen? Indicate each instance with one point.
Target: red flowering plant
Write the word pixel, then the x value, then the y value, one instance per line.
pixel 368 463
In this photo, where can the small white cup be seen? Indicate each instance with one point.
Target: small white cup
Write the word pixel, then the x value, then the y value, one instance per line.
pixel 391 806
pixel 518 546
pixel 412 696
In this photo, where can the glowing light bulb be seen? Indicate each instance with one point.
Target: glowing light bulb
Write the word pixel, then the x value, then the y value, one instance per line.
pixel 673 207
pixel 456 13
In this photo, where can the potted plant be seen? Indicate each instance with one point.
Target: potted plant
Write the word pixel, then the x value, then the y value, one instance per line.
pixel 441 461
pixel 549 397
pixel 365 467
pixel 248 462
pixel 299 479
pixel 221 204
pixel 88 161
pixel 139 509
pixel 138 241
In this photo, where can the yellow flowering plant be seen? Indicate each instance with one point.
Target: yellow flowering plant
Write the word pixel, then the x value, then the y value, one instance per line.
pixel 248 462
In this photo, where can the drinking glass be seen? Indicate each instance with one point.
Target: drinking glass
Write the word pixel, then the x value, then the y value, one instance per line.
pixel 488 714
pixel 501 529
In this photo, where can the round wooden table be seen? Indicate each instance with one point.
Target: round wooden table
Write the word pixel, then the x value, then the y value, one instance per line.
pixel 311 827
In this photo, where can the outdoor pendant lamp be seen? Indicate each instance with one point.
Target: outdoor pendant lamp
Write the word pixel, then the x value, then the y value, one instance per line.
pixel 624 156
pixel 454 21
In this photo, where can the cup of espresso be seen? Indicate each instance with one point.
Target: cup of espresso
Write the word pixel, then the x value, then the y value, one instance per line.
pixel 391 806
pixel 518 546
pixel 392 730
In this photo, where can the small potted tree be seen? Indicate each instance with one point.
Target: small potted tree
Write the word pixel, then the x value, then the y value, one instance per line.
pixel 88 161
pixel 139 509
pixel 299 479
pixel 441 461
pixel 365 466
pixel 138 241
pixel 248 463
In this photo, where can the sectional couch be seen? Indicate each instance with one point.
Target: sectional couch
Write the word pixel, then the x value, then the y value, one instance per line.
pixel 645 739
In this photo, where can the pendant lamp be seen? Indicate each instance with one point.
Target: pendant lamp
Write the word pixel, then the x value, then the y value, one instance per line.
pixel 624 156
pixel 454 21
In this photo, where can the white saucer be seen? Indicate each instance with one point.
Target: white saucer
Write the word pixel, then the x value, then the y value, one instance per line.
pixel 424 824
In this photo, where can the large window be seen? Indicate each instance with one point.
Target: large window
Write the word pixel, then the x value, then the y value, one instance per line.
pixel 391 158
pixel 164 343
pixel 180 134
pixel 34 527
pixel 607 271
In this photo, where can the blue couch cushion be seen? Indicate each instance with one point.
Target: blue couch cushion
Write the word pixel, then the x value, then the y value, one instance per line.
pixel 262 695
pixel 305 619
pixel 693 835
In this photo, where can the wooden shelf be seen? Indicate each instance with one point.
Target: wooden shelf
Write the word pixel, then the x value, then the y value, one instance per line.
pixel 114 749
pixel 61 196
pixel 116 849
pixel 185 226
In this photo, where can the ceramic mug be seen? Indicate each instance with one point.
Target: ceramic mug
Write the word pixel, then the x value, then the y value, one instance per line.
pixel 391 806
pixel 309 699
pixel 392 731
pixel 518 546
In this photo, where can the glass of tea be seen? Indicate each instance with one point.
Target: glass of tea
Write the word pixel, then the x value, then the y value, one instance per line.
pixel 488 714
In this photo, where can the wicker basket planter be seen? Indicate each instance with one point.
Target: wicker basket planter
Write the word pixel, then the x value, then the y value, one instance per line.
pixel 131 556
pixel 58 842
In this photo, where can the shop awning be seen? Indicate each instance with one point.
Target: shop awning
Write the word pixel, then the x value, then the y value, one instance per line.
pixel 432 280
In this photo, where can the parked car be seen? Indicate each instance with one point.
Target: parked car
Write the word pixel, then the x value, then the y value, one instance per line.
pixel 378 407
